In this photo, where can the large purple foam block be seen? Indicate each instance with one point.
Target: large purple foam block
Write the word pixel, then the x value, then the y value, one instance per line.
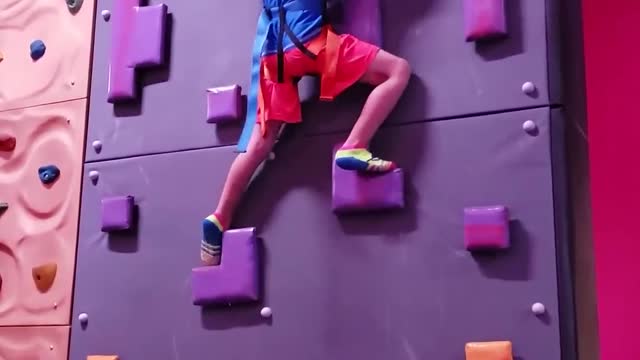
pixel 235 280
pixel 224 104
pixel 138 40
pixel 355 192
pixel 117 213
pixel 486 228
pixel 484 19
pixel 361 18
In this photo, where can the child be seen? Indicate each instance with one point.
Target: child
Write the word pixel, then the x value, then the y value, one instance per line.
pixel 297 43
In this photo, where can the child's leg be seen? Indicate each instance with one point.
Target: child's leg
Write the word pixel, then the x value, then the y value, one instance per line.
pixel 390 75
pixel 240 173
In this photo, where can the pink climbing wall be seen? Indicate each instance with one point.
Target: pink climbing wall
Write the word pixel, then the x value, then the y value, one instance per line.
pixel 62 73
pixel 43 105
pixel 40 226
pixel 31 343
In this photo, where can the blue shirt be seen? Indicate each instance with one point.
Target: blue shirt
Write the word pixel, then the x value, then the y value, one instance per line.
pixel 304 18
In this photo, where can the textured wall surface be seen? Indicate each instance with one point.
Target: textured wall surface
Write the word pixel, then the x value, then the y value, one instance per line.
pixel 210 45
pixel 40 225
pixel 376 286
pixel 22 343
pixel 62 73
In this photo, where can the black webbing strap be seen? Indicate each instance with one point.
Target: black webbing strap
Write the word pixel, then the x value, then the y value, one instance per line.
pixel 285 29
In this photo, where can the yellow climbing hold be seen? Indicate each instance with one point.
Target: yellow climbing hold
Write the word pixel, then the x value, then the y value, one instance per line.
pixel 44 275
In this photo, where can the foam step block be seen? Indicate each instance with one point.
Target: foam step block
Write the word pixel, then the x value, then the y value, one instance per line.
pixel 355 192
pixel 486 228
pixel 236 279
pixel 138 41
pixel 484 19
pixel 492 350
pixel 117 213
pixel 224 104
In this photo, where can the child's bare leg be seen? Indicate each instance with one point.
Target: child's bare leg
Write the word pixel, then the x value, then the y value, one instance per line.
pixel 390 75
pixel 240 173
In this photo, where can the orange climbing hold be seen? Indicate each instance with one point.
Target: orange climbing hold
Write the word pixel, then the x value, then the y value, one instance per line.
pixel 44 275
pixel 492 350
pixel 102 357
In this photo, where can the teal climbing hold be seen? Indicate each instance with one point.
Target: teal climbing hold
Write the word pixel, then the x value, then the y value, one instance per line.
pixel 48 173
pixel 37 49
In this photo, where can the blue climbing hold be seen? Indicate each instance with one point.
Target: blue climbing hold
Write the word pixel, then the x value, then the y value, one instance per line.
pixel 37 49
pixel 48 174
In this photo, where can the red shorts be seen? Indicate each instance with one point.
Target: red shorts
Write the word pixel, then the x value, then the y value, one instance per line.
pixel 281 100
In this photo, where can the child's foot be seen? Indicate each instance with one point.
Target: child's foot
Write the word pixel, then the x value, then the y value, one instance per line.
pixel 362 160
pixel 211 245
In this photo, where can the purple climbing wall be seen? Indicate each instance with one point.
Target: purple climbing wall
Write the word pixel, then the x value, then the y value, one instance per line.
pixel 210 46
pixel 374 286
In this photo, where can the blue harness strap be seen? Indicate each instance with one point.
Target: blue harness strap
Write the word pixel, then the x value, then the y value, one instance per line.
pixel 252 97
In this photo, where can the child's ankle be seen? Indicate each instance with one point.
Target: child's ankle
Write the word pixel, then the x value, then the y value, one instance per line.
pixel 352 146
pixel 222 220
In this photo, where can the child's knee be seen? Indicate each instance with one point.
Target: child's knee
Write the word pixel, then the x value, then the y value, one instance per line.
pixel 402 69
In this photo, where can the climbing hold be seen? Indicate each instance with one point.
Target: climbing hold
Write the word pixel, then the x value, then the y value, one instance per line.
pixel 83 318
pixel 48 173
pixel 498 350
pixel 529 126
pixel 44 275
pixel 3 207
pixel 94 175
pixel 486 228
pixel 538 308
pixel 7 143
pixel 224 104
pixel 51 347
pixel 528 88
pixel 355 192
pixel 484 19
pixel 272 155
pixel 103 357
pixel 1 57
pixel 37 49
pixel 266 312
pixel 97 146
pixel 236 279
pixel 0 283
pixel 117 213
pixel 74 5
pixel 106 15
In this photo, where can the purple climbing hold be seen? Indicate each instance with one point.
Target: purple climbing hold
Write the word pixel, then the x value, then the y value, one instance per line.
pixel 147 36
pixel 486 228
pixel 38 49
pixel 224 104
pixel 117 213
pixel 484 19
pixel 356 192
pixel 138 42
pixel 235 280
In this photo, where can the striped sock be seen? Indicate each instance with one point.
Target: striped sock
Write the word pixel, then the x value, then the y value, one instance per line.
pixel 211 244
